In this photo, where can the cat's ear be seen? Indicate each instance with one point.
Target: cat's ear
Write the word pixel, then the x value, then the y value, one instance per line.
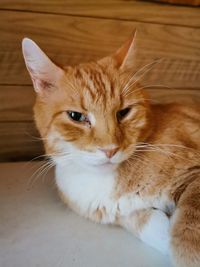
pixel 124 55
pixel 44 73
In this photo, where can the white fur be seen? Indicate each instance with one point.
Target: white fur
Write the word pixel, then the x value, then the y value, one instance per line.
pixel 92 119
pixel 89 189
pixel 39 65
pixel 93 188
pixel 89 181
pixel 156 231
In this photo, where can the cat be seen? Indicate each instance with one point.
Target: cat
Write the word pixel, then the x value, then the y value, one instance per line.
pixel 118 158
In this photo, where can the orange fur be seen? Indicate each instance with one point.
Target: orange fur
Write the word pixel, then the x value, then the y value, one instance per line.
pixel 169 165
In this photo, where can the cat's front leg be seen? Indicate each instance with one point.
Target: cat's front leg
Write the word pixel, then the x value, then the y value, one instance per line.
pixel 149 225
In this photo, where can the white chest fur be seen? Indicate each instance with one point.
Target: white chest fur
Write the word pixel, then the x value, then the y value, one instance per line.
pixel 88 189
pixel 93 190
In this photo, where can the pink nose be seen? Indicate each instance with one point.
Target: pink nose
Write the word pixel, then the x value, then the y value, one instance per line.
pixel 110 152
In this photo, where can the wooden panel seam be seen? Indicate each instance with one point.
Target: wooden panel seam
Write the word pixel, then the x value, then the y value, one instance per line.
pixel 61 42
pixel 143 7
pixel 100 17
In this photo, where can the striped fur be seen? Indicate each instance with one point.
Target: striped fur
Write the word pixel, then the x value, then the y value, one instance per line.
pixel 151 184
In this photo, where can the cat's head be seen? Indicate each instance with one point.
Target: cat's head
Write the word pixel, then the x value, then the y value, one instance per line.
pixel 93 113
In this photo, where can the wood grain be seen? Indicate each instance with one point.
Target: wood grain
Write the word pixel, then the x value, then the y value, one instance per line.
pixel 17 101
pixel 75 31
pixel 181 2
pixel 142 11
pixel 71 40
pixel 167 96
pixel 18 141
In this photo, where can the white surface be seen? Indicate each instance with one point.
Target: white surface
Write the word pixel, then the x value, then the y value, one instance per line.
pixel 36 229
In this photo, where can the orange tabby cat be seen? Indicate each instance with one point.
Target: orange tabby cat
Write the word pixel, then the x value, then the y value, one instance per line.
pixel 118 159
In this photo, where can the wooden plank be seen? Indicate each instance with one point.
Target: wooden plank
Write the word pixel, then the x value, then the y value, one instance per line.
pixel 19 141
pixel 17 101
pixel 143 11
pixel 167 95
pixel 70 40
pixel 181 2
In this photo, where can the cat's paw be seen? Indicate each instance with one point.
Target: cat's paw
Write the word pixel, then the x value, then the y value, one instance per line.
pixel 156 231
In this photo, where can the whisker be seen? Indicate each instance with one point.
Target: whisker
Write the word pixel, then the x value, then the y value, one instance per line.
pixel 36 174
pixel 46 170
pixel 157 148
pixel 148 163
pixel 146 69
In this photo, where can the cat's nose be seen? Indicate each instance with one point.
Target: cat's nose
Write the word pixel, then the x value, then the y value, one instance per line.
pixel 110 152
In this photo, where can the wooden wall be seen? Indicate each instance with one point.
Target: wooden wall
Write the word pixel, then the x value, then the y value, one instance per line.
pixel 73 31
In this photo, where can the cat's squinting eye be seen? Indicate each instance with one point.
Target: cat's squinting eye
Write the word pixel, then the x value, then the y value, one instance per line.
pixel 121 114
pixel 77 116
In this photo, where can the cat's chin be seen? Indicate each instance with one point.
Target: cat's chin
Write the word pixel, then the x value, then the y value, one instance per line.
pixel 107 166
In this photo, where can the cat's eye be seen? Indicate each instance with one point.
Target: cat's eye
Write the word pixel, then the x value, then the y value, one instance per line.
pixel 77 116
pixel 121 114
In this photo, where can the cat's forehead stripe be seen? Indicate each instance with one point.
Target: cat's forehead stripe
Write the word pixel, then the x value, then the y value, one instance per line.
pixel 95 80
